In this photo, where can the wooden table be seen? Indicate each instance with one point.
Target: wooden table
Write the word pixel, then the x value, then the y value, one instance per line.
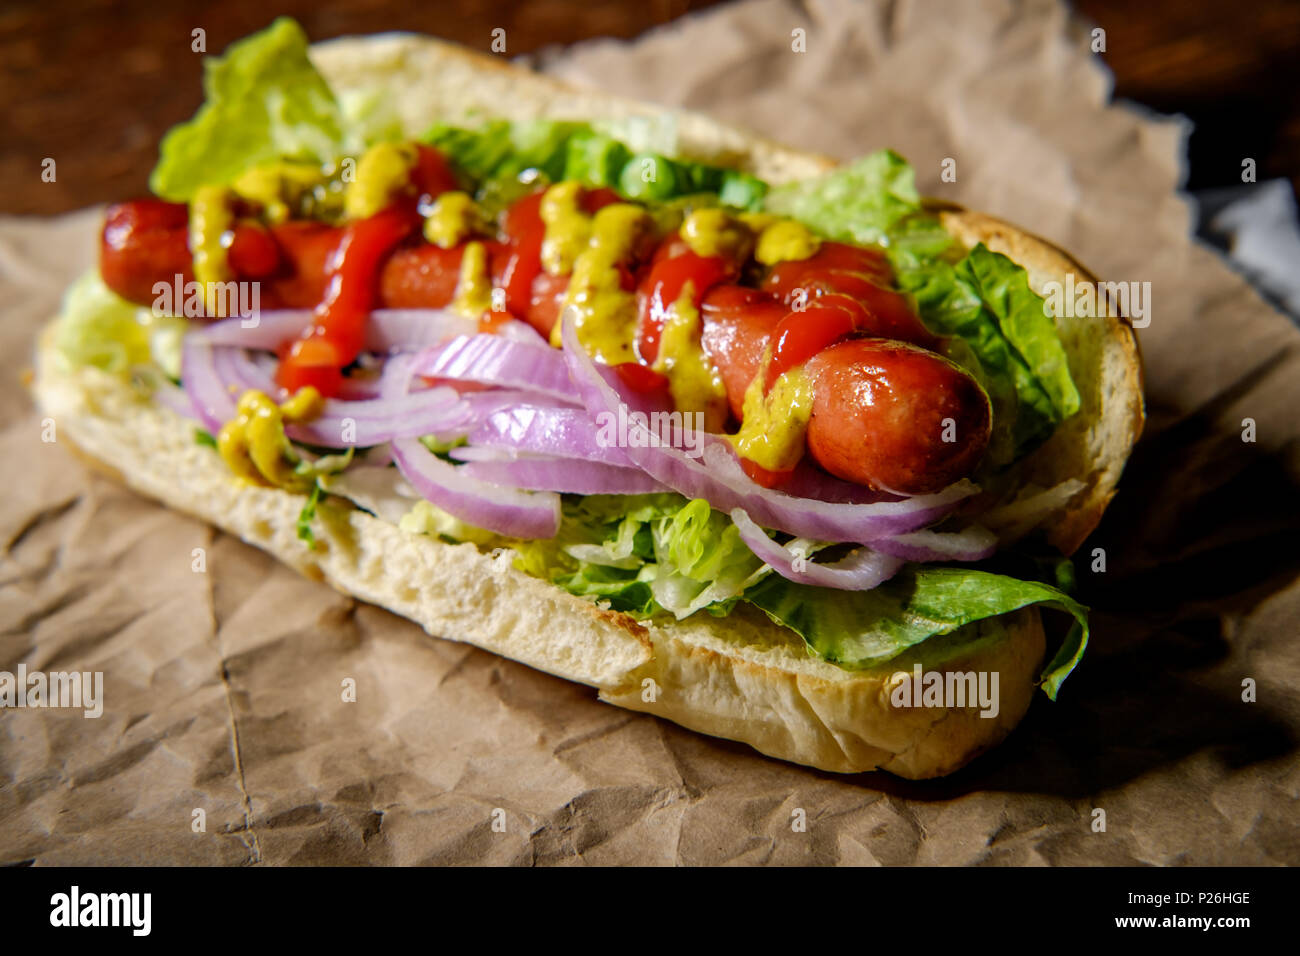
pixel 94 84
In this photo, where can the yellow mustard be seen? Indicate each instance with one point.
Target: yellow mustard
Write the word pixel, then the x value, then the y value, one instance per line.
pixel 693 382
pixel 279 187
pixel 776 424
pixel 758 221
pixel 785 241
pixel 254 446
pixel 605 314
pixel 453 219
pixel 716 232
pixel 383 171
pixel 568 228
pixel 210 218
pixel 474 287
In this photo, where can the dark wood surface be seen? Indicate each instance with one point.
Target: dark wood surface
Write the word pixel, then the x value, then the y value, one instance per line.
pixel 95 84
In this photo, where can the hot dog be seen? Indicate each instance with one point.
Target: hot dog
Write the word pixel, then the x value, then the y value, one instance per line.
pixel 545 524
pixel 886 413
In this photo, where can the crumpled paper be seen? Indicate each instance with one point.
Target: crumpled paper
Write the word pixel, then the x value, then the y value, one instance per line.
pixel 225 738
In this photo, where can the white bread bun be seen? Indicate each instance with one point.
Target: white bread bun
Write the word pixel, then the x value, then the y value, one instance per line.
pixel 740 677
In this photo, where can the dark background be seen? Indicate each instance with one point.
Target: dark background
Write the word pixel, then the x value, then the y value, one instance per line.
pixel 95 84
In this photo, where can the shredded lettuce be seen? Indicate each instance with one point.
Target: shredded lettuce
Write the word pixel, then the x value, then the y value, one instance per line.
pixel 427 518
pixel 857 629
pixel 264 101
pixel 862 202
pixel 97 327
pixel 645 554
pixel 595 159
pixel 650 554
pixel 500 151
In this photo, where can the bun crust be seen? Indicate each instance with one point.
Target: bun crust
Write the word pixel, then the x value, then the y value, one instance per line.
pixel 741 677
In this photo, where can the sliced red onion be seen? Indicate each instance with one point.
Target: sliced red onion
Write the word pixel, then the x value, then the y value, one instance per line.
pixel 358 424
pixel 482 453
pixel 480 405
pixel 204 385
pixel 359 389
pixel 270 330
pixel 342 423
pixel 387 330
pixel 571 433
pixel 396 378
pixel 809 481
pixel 521 332
pixel 239 372
pixel 507 511
pixel 493 360
pixel 971 544
pixel 569 477
pixel 462 417
pixel 861 570
pixel 718 477
pixel 409 330
pixel 559 432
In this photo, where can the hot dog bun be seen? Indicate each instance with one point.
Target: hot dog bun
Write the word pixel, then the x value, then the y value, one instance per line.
pixel 740 677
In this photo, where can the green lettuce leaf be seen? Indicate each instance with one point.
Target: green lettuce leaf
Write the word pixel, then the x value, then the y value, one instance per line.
pixel 264 101
pixel 861 202
pixel 857 629
pixel 986 301
pixel 1003 287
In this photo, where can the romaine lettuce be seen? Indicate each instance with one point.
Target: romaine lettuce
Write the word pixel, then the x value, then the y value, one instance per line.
pixel 264 101
pixel 986 301
pixel 649 554
pixel 857 629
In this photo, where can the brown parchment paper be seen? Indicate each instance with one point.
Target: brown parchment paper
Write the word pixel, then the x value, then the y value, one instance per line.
pixel 222 689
